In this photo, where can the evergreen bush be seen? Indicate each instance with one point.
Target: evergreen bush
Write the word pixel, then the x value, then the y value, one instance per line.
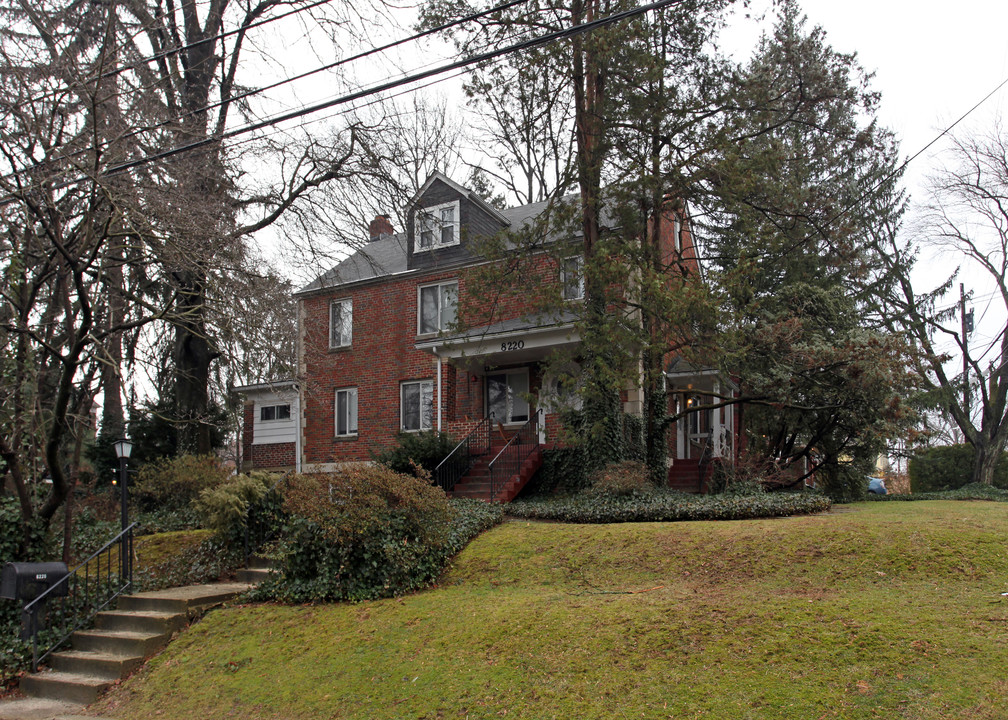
pixel 225 508
pixel 173 483
pixel 948 467
pixel 422 449
pixel 663 505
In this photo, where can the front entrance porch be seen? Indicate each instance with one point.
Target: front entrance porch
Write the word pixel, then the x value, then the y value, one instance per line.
pixel 707 432
pixel 492 462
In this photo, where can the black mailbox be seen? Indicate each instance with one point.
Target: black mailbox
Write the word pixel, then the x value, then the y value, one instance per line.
pixel 25 581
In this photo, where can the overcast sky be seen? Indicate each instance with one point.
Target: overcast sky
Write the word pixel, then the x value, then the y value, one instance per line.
pixel 932 61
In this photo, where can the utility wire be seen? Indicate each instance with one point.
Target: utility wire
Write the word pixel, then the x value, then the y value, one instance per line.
pixel 388 85
pixel 405 80
pixel 175 51
pixel 328 66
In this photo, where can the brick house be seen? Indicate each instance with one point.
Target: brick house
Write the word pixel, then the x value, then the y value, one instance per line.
pixel 377 354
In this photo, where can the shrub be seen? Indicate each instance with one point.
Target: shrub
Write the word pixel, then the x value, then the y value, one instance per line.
pixel 366 532
pixel 211 560
pixel 563 471
pixel 972 491
pixel 948 467
pixel 423 449
pixel 663 505
pixel 40 543
pixel 225 508
pixel 176 482
pixel 620 479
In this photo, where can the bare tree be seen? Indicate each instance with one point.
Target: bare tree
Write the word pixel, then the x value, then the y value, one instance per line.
pixel 966 218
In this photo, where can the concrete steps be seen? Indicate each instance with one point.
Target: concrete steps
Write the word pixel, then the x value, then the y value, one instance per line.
pixel 122 640
pixel 258 569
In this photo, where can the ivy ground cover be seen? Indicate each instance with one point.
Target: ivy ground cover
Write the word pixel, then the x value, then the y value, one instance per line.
pixel 888 610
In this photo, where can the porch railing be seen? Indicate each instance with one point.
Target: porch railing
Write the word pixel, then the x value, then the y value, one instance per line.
pixel 476 444
pixel 509 460
pixel 72 602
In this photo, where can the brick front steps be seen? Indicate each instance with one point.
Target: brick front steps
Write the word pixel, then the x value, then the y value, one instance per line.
pixel 122 640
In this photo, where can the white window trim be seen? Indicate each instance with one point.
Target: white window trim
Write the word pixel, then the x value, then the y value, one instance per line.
pixel 336 431
pixel 419 305
pixel 677 230
pixel 402 405
pixel 349 342
pixel 276 405
pixel 563 277
pixel 434 211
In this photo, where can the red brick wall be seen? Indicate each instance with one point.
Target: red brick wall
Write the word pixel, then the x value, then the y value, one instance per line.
pixel 274 456
pixel 382 354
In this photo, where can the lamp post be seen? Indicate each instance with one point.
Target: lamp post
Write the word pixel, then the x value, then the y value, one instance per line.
pixel 123 448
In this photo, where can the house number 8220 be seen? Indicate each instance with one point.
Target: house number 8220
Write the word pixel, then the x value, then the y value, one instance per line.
pixel 513 345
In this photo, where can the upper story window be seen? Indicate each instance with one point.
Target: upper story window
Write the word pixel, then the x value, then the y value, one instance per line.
pixel 572 278
pixel 340 323
pixel 677 231
pixel 275 412
pixel 437 226
pixel 436 307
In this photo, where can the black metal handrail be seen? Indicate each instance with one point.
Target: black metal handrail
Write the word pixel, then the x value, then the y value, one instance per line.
pixel 509 460
pixel 72 602
pixel 476 444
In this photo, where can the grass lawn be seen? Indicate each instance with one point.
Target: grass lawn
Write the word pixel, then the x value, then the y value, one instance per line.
pixel 876 610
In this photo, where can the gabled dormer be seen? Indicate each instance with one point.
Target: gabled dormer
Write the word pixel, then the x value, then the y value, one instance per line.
pixel 442 220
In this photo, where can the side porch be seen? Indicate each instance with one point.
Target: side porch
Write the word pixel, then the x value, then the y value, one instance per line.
pixel 706 435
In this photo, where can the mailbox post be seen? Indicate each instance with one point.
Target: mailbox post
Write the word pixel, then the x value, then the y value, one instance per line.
pixel 123 448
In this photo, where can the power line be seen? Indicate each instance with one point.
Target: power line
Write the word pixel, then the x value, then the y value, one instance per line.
pixel 389 85
pixel 405 80
pixel 175 51
pixel 328 66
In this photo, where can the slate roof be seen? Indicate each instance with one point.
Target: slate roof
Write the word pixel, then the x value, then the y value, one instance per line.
pixel 387 256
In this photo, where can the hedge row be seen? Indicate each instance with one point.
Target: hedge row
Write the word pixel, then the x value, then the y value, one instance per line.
pixel 948 467
pixel 664 506
pixel 973 491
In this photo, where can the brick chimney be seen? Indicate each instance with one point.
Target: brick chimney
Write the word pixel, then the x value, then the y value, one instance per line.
pixel 380 226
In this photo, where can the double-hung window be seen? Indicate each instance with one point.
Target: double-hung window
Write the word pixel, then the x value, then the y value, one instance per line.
pixel 417 406
pixel 437 226
pixel 340 323
pixel 572 278
pixel 275 412
pixel 436 307
pixel 346 412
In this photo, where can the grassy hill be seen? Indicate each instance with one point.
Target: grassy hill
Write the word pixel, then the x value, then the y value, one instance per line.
pixel 875 610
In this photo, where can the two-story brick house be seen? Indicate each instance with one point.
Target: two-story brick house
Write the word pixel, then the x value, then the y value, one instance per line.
pixel 379 352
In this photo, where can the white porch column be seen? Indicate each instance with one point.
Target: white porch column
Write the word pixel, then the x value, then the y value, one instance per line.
pixel 681 425
pixel 716 424
pixel 439 393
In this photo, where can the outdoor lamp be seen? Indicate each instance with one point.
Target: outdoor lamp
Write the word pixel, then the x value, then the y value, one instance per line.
pixel 123 448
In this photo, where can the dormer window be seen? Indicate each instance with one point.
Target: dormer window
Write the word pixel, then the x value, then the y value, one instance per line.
pixel 437 226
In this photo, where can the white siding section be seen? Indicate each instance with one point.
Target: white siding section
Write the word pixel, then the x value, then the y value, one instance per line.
pixel 267 432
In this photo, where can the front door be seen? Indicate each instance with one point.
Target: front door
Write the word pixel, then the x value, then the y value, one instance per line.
pixel 506 396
